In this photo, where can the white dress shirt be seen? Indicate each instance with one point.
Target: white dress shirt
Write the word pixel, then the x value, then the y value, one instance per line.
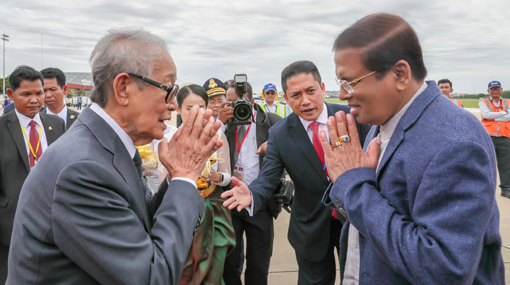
pixel 352 263
pixel 24 122
pixel 272 108
pixel 124 137
pixel 247 157
pixel 62 114
pixel 322 119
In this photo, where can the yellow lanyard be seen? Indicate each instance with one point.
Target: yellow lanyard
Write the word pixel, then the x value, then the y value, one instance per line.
pixel 29 144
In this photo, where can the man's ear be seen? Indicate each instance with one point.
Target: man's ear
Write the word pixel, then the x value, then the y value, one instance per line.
pixel 122 88
pixel 252 102
pixel 403 74
pixel 285 97
pixel 10 94
pixel 64 90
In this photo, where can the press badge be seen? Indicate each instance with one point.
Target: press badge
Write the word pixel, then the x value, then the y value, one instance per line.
pixel 238 172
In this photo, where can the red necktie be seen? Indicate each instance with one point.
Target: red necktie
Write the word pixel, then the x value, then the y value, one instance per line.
pixel 34 142
pixel 320 152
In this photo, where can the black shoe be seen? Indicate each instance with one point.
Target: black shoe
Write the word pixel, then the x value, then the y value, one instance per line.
pixel 505 193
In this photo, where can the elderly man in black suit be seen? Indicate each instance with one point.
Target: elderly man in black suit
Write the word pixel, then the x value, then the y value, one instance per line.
pixel 25 134
pixel 294 145
pixel 87 217
pixel 55 89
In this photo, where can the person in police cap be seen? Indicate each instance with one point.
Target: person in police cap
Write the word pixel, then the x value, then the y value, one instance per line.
pixel 217 92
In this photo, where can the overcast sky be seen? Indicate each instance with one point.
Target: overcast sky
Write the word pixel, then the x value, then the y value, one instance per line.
pixel 465 41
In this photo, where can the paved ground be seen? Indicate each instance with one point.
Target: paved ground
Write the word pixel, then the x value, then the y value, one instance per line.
pixel 283 269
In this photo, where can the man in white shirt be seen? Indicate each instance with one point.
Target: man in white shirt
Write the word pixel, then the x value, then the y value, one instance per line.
pixel 246 144
pixel 495 113
pixel 24 136
pixel 55 90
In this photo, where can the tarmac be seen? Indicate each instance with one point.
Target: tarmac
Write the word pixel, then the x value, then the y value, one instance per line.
pixel 284 269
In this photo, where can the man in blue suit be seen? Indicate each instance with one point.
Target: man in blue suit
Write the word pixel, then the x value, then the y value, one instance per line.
pixel 294 145
pixel 420 201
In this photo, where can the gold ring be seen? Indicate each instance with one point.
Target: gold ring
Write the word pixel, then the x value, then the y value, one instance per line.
pixel 344 138
pixel 337 144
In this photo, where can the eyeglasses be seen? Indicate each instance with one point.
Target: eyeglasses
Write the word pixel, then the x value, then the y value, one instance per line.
pixel 270 92
pixel 171 91
pixel 347 86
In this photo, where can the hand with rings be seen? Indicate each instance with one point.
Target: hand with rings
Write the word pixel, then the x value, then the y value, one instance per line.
pixel 350 154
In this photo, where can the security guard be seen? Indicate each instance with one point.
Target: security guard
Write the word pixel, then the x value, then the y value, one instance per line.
pixel 269 94
pixel 496 119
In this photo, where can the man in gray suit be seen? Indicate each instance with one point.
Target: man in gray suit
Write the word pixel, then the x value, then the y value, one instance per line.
pixel 83 217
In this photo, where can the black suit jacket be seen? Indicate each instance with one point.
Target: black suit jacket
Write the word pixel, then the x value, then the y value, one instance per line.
pixel 264 121
pixel 15 166
pixel 71 117
pixel 290 148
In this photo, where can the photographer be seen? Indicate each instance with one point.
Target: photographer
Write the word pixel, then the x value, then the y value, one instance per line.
pixel 247 146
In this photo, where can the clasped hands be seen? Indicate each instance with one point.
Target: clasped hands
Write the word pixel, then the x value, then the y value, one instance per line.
pixel 341 155
pixel 191 146
pixel 339 159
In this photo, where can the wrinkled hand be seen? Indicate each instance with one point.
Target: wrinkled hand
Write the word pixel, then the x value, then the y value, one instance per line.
pixel 226 112
pixel 240 196
pixel 262 148
pixel 214 177
pixel 350 154
pixel 191 146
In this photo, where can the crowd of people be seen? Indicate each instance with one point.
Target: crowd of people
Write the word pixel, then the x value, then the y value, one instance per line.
pixel 365 189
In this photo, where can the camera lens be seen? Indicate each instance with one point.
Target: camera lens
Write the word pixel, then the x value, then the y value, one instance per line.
pixel 242 112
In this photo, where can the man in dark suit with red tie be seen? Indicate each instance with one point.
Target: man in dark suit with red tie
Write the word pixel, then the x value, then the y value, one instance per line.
pixel 24 135
pixel 294 145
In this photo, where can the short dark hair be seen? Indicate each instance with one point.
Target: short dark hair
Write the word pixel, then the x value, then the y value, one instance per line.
pixel 23 72
pixel 249 89
pixel 298 67
pixel 228 83
pixel 383 40
pixel 192 88
pixel 446 80
pixel 53 72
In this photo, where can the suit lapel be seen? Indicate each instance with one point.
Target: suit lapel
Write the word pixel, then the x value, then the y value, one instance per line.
pixel 52 133
pixel 71 116
pixel 122 162
pixel 15 129
pixel 300 137
pixel 408 119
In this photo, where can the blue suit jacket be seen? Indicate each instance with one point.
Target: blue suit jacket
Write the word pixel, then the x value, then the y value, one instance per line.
pixel 429 215
pixel 290 147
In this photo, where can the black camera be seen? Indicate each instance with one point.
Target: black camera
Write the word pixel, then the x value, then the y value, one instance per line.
pixel 242 107
pixel 284 194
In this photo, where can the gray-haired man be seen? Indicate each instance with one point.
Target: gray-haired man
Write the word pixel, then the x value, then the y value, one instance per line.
pixel 86 218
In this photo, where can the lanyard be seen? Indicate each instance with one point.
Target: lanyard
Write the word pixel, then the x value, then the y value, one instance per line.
pixel 500 106
pixel 30 145
pixel 238 147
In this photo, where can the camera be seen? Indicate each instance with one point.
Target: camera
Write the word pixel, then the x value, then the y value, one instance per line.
pixel 242 107
pixel 284 194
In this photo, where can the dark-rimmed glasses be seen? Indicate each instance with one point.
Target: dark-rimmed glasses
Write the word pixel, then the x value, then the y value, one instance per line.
pixel 171 91
pixel 347 86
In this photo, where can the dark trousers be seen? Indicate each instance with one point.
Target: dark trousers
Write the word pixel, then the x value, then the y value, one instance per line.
pixel 259 248
pixel 4 254
pixel 502 147
pixel 321 272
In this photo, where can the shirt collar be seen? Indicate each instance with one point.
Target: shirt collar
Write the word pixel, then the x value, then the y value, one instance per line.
pixel 388 128
pixel 124 137
pixel 322 119
pixel 24 120
pixel 62 114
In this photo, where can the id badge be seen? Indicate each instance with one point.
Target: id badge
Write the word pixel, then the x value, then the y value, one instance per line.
pixel 238 172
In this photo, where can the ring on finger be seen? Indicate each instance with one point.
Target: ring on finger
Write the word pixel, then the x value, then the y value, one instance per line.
pixel 344 138
pixel 337 144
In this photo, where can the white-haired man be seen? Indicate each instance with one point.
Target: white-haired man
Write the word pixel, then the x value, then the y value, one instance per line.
pixel 86 217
